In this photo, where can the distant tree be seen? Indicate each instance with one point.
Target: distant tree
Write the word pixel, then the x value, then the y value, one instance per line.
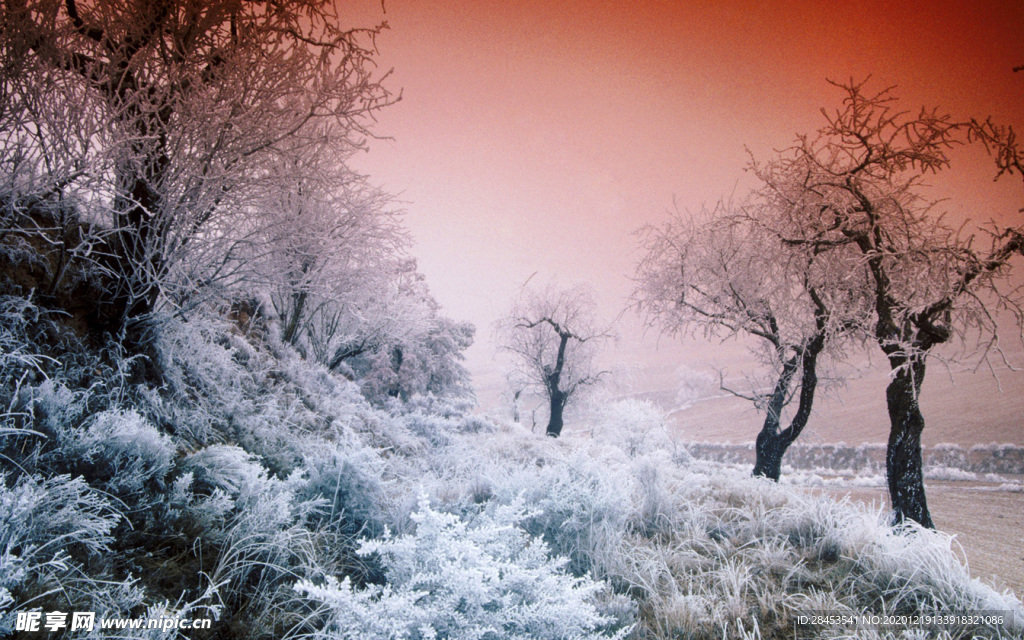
pixel 856 186
pixel 159 124
pixel 716 274
pixel 553 338
pixel 402 347
pixel 328 257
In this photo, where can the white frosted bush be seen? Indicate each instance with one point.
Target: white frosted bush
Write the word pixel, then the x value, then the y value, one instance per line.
pixel 205 383
pixel 259 532
pixel 50 530
pixel 636 426
pixel 435 429
pixel 122 451
pixel 224 467
pixel 231 494
pixel 582 509
pixel 457 580
pixel 348 478
pixel 52 405
pixel 196 355
pixel 17 353
pixel 448 406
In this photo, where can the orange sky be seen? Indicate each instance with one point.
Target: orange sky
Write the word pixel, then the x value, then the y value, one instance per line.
pixel 537 136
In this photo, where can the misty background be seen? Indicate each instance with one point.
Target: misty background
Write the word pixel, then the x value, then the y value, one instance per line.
pixel 533 139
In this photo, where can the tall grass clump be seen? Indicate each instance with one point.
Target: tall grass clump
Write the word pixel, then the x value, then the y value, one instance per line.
pixel 55 539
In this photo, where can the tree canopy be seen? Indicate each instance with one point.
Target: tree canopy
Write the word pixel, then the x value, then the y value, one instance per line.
pixel 161 125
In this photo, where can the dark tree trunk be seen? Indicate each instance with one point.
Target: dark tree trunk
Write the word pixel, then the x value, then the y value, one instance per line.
pixel 397 356
pixel 903 466
pixel 137 251
pixel 771 446
pixel 773 441
pixel 555 422
pixel 291 331
pixel 556 395
pixel 299 298
pixel 515 405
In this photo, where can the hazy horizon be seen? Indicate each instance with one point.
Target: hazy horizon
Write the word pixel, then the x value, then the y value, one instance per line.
pixel 533 139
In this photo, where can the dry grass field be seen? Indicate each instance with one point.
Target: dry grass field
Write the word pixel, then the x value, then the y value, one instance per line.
pixel 989 525
pixel 966 409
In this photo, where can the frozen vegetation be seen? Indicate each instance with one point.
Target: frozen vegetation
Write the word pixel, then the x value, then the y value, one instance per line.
pixel 259 488
pixel 864 464
pixel 227 392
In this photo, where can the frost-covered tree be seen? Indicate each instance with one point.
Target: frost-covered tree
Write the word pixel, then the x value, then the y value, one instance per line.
pixel 855 188
pixel 396 342
pixel 553 337
pixel 150 127
pixel 322 257
pixel 715 274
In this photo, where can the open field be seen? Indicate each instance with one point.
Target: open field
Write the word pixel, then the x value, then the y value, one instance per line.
pixel 972 408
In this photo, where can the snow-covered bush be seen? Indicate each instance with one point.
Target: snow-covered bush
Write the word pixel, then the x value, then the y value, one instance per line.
pixel 637 426
pixel 55 545
pixel 464 580
pixel 580 509
pixel 223 467
pixel 17 353
pixel 251 535
pixel 434 429
pixel 120 452
pixel 348 479
pixel 208 383
pixel 50 405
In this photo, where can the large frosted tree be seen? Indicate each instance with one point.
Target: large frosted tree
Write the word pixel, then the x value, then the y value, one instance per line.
pixel 150 126
pixel 857 187
pixel 716 274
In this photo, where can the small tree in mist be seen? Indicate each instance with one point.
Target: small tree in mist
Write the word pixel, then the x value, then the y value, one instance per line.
pixel 323 253
pixel 855 189
pixel 406 347
pixel 715 274
pixel 554 339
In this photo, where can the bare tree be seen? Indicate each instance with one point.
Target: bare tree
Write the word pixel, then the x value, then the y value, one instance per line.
pixel 553 337
pixel 857 186
pixel 717 275
pixel 158 122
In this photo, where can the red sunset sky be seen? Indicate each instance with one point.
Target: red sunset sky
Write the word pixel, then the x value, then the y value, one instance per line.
pixel 535 137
